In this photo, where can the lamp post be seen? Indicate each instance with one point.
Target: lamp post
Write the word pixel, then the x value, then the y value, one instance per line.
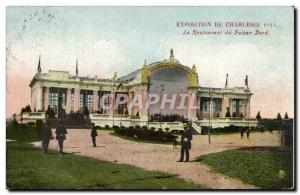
pixel 249 112
pixel 210 116
pixel 113 104
pixel 148 108
pixel 161 91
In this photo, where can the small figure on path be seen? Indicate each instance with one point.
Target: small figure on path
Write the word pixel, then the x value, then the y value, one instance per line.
pixel 61 132
pixel 186 144
pixel 175 142
pixel 242 134
pixel 94 134
pixel 46 136
pixel 248 133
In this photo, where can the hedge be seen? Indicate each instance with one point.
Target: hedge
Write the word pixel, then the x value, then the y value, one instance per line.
pixel 146 134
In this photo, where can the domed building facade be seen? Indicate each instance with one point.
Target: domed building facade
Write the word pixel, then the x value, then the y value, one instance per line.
pixel 160 95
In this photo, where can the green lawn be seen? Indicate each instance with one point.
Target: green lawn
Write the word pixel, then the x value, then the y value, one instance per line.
pixel 29 168
pixel 265 169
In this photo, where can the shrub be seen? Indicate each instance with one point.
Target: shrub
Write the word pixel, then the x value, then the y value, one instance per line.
pixel 39 124
pixel 107 127
pixel 258 117
pixel 116 127
pixel 22 132
pixel 26 109
pixel 131 128
pixel 228 129
pixel 145 134
pixel 152 128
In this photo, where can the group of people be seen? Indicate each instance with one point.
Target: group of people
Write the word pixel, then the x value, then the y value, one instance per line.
pixel 60 134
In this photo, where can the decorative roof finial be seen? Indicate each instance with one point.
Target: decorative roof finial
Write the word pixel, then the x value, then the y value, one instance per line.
pixel 194 69
pixel 171 54
pixel 226 83
pixel 76 67
pixel 115 76
pixel 145 63
pixel 246 81
pixel 39 69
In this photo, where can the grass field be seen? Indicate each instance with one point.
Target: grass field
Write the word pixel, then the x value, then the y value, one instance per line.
pixel 29 168
pixel 269 169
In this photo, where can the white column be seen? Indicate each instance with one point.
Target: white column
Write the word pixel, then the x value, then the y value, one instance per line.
pixel 76 99
pixel 46 98
pixel 247 112
pixel 68 101
pixel 95 100
pixel 39 98
pixel 225 105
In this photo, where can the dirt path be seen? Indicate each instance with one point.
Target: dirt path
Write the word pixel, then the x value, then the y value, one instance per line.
pixel 158 157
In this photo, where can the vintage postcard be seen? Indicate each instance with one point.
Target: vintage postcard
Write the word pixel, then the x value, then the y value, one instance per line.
pixel 150 98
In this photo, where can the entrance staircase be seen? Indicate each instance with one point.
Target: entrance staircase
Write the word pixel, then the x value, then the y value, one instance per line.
pixel 196 127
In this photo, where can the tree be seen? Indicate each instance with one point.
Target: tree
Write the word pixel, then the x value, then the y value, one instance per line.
pixel 286 116
pixel 279 116
pixel 26 109
pixel 258 117
pixel 227 113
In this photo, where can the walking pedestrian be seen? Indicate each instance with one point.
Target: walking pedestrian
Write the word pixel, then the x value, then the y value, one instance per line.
pixel 46 137
pixel 94 134
pixel 61 132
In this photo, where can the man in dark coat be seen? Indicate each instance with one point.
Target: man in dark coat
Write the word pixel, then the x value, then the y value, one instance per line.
pixel 94 134
pixel 46 136
pixel 61 132
pixel 248 133
pixel 242 134
pixel 186 144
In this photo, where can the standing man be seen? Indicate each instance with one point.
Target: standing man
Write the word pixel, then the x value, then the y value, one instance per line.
pixel 46 136
pixel 61 132
pixel 94 134
pixel 242 134
pixel 175 142
pixel 248 133
pixel 186 144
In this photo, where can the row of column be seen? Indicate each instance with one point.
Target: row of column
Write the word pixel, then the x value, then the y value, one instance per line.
pixel 76 102
pixel 226 104
pixel 191 113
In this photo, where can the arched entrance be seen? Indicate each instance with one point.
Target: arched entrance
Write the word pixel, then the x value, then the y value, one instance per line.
pixel 170 82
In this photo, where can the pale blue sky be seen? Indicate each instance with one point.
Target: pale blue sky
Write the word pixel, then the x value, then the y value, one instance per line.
pixel 109 39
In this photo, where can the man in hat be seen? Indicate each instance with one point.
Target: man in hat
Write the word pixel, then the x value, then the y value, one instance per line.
pixel 61 132
pixel 46 136
pixel 186 144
